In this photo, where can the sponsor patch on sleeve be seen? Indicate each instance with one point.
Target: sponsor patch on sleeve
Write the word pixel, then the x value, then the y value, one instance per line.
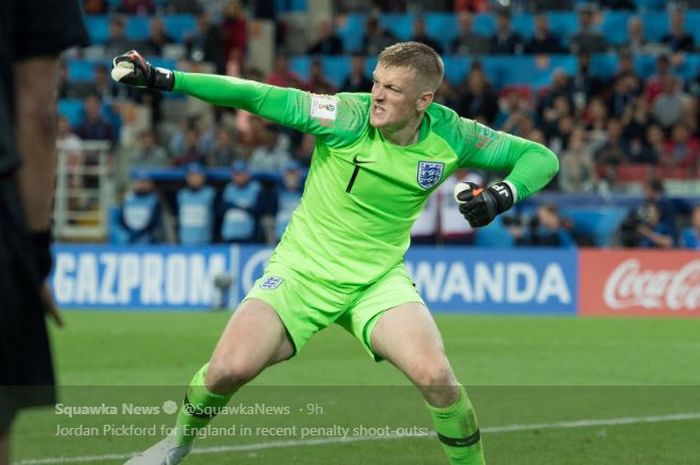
pixel 324 107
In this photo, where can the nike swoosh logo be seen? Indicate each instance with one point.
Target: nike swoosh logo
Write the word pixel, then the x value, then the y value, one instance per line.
pixel 361 162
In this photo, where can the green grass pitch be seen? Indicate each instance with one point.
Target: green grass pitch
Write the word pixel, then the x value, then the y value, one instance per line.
pixel 548 391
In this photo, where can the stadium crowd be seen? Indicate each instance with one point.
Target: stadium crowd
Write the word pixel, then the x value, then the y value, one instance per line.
pixel 613 133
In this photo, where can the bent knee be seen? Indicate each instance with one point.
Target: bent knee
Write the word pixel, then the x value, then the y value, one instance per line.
pixel 229 375
pixel 433 371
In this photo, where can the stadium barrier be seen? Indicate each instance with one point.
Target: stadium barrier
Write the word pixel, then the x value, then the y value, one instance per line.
pixel 450 279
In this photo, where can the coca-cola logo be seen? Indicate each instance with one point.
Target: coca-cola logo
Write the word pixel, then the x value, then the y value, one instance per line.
pixel 630 286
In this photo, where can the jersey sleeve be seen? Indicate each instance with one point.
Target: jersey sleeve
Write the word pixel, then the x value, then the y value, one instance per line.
pixel 530 165
pixel 337 119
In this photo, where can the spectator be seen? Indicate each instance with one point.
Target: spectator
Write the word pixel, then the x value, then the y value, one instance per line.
pixel 95 7
pixel 468 42
pixel 636 121
pixel 158 38
pixel 690 237
pixel 317 81
pixel 104 87
pixel 234 28
pixel 357 80
pixel 195 204
pixel 654 192
pixel 554 115
pixel 327 41
pixel 613 152
pixel 626 88
pixel 207 43
pixel 636 42
pixel 420 35
pixel 628 5
pixel 270 156
pixel 547 229
pixel 577 173
pixel 655 146
pixel 560 87
pixel 70 147
pixel 376 37
pixel 281 76
pixel 682 149
pixel 472 6
pixel 95 126
pixel 425 228
pixel 191 153
pixel 241 205
pixel 288 196
pixel 585 85
pixel 655 83
pixel 506 41
pixel 678 40
pixel 511 104
pixel 141 212
pixel 543 41
pixel 149 154
pixel 223 152
pixel 652 232
pixel 137 7
pixel 668 106
pixel 478 102
pixel 117 42
pixel 596 120
pixel 560 135
pixel 587 39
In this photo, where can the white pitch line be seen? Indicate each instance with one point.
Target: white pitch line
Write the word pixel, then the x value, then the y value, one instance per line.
pixel 321 442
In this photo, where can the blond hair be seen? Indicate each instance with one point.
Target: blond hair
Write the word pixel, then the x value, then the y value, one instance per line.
pixel 422 58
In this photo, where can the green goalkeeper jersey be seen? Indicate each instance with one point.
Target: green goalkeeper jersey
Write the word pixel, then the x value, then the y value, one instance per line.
pixel 363 193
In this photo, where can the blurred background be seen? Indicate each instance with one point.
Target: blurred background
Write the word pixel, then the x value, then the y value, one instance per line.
pixel 611 87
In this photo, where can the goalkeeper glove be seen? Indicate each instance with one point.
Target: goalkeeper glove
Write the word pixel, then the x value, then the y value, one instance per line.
pixel 132 69
pixel 480 206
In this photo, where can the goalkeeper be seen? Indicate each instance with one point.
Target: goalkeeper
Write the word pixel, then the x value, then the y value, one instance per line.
pixel 378 157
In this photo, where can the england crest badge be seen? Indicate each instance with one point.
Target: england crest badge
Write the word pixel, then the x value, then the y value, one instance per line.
pixel 271 282
pixel 429 173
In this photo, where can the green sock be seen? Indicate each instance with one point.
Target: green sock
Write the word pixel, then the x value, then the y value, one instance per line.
pixel 198 409
pixel 458 431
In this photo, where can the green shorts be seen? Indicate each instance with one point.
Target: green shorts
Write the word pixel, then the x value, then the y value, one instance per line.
pixel 306 305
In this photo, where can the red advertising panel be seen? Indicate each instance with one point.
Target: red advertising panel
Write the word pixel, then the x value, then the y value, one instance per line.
pixel 639 282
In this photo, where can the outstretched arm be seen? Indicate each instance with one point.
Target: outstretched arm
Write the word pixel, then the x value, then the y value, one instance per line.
pixel 530 166
pixel 338 119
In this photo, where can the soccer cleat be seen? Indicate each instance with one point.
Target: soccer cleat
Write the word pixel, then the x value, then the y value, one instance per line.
pixel 166 452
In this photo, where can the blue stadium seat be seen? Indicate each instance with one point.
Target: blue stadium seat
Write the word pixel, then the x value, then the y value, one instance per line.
pixel 351 31
pixel 604 64
pixel 599 223
pixel 137 27
pixel 81 70
pixel 655 25
pixel 401 25
pixel 524 24
pixel 653 5
pixel 563 24
pixel 442 27
pixel 336 69
pixel 456 68
pixel 484 24
pixel 71 109
pixel 290 5
pixel 494 235
pixel 98 28
pixel 692 19
pixel 614 26
pixel 179 27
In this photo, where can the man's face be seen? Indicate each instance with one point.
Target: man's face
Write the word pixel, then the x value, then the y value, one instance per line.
pixel 395 97
pixel 696 218
pixel 195 179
